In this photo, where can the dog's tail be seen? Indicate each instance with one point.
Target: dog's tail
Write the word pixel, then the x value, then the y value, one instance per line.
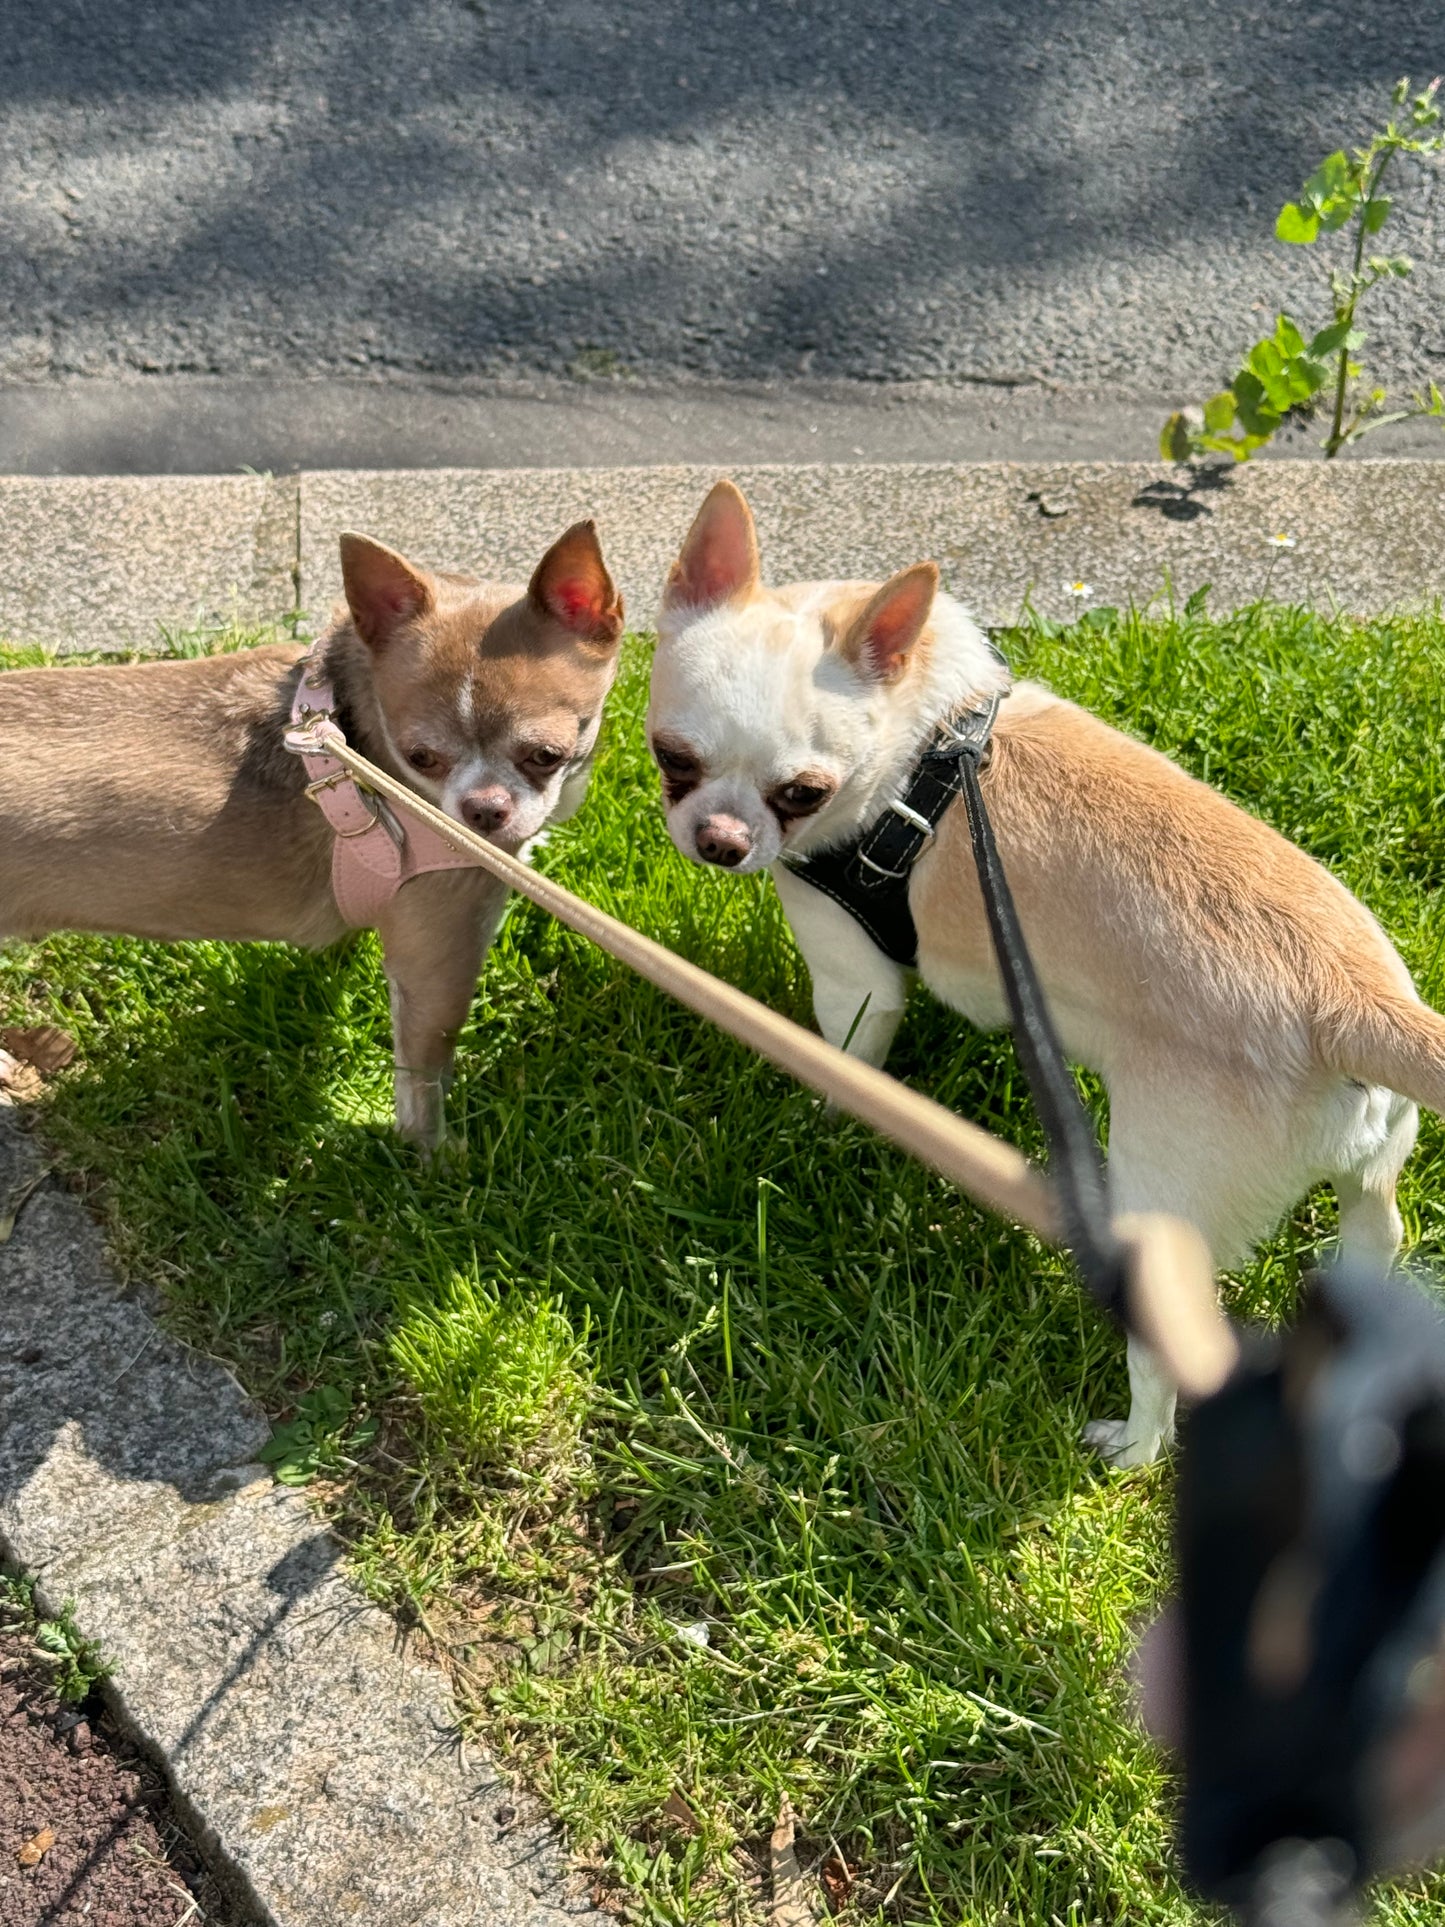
pixel 1396 1041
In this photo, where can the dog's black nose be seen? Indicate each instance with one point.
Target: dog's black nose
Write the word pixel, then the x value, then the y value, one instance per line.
pixel 486 810
pixel 725 840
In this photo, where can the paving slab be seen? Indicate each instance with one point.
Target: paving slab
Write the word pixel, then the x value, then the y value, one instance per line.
pixel 316 1761
pixel 108 562
pixel 1369 535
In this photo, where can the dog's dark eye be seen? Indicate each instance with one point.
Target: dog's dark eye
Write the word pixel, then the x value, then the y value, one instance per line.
pixel 545 759
pixel 672 762
pixel 423 759
pixel 800 799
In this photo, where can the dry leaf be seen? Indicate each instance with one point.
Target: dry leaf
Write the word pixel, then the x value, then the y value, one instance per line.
pixel 34 1851
pixel 19 1080
pixel 839 1880
pixel 676 1809
pixel 46 1046
pixel 792 1901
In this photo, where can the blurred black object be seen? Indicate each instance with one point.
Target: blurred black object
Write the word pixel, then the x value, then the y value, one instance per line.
pixel 1311 1551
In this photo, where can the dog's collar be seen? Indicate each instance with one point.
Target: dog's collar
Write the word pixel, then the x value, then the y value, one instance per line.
pixel 376 848
pixel 869 875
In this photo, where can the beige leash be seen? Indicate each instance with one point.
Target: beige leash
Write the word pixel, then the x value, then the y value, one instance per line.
pixel 1171 1281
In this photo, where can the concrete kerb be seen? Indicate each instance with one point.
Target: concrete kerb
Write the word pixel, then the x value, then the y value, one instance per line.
pixel 109 562
pixel 318 1765
pixel 104 563
pixel 1369 536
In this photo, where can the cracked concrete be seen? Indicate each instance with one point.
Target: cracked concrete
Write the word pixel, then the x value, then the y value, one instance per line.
pixel 317 1763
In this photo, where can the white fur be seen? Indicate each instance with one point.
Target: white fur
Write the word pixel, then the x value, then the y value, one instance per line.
pixel 763 698
pixel 533 804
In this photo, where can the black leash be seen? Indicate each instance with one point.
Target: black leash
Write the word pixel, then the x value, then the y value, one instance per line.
pixel 1076 1163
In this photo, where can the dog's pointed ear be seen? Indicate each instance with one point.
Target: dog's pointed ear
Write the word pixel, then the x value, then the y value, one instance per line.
pixel 572 586
pixel 878 642
pixel 719 559
pixel 383 590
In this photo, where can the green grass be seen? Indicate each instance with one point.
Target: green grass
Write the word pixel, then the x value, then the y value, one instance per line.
pixel 663 1346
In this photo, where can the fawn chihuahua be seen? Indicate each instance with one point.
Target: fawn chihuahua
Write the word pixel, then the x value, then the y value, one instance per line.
pixel 1254 1027
pixel 160 800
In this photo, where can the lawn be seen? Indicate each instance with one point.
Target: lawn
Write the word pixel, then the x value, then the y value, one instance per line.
pixel 727 1455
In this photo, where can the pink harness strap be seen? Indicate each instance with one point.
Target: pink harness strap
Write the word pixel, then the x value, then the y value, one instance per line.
pixel 376 850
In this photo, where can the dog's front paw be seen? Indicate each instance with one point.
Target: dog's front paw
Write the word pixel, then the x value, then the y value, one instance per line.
pixel 421 1111
pixel 1109 1437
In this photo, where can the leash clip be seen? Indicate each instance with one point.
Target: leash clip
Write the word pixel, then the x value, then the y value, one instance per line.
pixel 312 734
pixel 975 738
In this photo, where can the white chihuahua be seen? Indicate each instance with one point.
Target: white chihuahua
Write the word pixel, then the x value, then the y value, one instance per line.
pixel 1255 1029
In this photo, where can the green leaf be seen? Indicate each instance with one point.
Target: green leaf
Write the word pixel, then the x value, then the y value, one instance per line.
pixel 1296 224
pixel 1101 618
pixel 1256 415
pixel 1333 176
pixel 1195 605
pixel 1306 377
pixel 297 1450
pixel 1219 412
pixel 1340 334
pixel 1174 439
pixel 1288 336
pixel 1335 212
pixel 1271 370
pixel 1266 360
pixel 1376 213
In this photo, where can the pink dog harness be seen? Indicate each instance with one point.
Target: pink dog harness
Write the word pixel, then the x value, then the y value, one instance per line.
pixel 375 852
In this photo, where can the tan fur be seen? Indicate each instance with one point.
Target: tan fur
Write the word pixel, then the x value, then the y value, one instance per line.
pixel 1255 1028
pixel 1142 890
pixel 157 799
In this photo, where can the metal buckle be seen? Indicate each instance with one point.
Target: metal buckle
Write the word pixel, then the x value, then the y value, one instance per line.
pixel 367 798
pixel 919 822
pixel 897 876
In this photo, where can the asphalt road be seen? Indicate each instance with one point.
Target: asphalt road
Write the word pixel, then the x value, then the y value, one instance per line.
pixel 1077 193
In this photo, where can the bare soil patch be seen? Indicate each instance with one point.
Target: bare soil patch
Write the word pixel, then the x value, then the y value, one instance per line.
pixel 88 1837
